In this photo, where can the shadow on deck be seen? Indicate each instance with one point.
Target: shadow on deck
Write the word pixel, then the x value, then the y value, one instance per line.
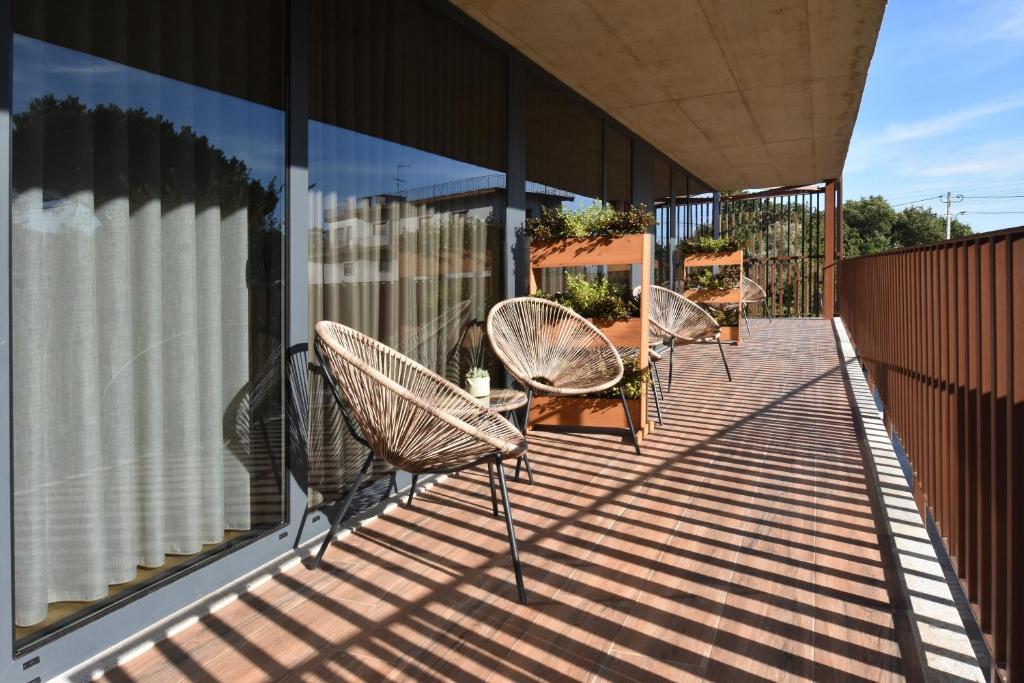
pixel 740 545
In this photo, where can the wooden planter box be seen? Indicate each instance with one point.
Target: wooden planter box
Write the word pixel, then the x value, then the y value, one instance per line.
pixel 602 413
pixel 718 297
pixel 590 251
pixel 720 258
pixel 598 251
pixel 731 333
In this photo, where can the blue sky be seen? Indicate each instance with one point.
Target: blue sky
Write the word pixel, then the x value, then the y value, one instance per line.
pixel 943 110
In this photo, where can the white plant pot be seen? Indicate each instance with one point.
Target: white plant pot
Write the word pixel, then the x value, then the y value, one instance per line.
pixel 478 387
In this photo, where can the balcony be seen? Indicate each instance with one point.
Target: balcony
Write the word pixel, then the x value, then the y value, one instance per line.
pixel 747 542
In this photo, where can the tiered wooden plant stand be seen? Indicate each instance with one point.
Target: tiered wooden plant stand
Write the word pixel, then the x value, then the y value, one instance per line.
pixel 718 297
pixel 633 333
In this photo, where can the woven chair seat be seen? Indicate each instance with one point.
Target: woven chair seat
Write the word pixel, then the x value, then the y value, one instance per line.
pixel 411 417
pixel 751 292
pixel 552 349
pixel 673 315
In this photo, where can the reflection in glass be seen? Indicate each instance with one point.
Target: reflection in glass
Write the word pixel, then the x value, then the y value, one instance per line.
pixel 407 194
pixel 664 237
pixel 146 297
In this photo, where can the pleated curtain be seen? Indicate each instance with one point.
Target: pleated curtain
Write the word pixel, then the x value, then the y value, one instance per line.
pixel 130 350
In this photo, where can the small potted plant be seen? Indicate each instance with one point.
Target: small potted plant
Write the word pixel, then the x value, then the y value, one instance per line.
pixel 478 382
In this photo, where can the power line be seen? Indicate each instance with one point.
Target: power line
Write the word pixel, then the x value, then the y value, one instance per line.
pixel 991 212
pixel 995 196
pixel 917 201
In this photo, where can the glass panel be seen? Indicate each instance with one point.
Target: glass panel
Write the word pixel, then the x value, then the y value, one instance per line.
pixel 148 152
pixel 663 237
pixel 407 176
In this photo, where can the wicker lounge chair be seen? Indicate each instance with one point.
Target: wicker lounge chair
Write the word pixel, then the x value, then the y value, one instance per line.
pixel 677 318
pixel 752 293
pixel 414 419
pixel 553 351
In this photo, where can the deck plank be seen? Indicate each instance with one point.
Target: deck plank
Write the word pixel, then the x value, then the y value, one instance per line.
pixel 740 545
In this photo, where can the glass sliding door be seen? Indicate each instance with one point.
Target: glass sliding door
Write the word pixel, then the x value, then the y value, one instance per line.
pixel 147 231
pixel 407 150
pixel 664 234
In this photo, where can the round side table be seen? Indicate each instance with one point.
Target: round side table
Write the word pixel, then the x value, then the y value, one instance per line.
pixel 507 402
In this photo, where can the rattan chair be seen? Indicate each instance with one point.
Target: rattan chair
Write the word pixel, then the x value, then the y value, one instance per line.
pixel 414 419
pixel 681 320
pixel 657 345
pixel 553 351
pixel 752 293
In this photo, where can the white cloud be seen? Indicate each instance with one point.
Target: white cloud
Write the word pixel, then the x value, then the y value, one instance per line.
pixel 946 123
pixel 1003 157
pixel 1008 25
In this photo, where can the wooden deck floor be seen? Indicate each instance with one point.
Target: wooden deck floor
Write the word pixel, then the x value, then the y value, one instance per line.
pixel 739 546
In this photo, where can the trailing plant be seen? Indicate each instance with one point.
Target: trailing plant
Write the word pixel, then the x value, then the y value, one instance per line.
pixel 634 381
pixel 597 220
pixel 726 316
pixel 704 244
pixel 477 373
pixel 600 300
pixel 728 277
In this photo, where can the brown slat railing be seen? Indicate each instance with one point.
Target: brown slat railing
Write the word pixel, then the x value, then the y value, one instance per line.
pixel 940 330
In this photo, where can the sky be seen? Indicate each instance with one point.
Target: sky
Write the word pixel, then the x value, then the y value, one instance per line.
pixel 943 111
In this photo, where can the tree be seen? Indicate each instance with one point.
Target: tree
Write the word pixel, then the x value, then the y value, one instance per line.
pixel 920 225
pixel 871 225
pixel 867 226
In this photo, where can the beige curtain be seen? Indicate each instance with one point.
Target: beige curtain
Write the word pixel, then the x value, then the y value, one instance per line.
pixel 131 350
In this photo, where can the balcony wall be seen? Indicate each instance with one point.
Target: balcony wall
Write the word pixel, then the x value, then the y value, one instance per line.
pixel 940 329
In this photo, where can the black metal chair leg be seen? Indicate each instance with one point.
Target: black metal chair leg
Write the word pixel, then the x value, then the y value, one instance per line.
pixel 516 566
pixel 746 321
pixel 671 358
pixel 657 380
pixel 412 490
pixel 657 402
pixel 337 513
pixel 629 419
pixel 392 484
pixel 721 351
pixel 526 415
pixel 525 459
pixel 767 313
pixel 494 497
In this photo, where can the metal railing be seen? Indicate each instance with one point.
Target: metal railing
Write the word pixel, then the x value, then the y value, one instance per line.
pixel 940 331
pixel 784 236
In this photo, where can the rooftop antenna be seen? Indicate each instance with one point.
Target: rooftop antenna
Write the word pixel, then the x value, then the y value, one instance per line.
pixel 398 177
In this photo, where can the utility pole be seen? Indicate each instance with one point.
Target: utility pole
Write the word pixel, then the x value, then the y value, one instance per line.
pixel 949 207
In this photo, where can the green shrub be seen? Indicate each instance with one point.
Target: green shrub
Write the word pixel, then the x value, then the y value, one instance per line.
pixel 597 220
pixel 704 244
pixel 600 300
pixel 634 381
pixel 726 316
pixel 727 277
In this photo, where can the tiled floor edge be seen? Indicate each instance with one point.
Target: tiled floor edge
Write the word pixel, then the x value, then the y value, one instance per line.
pixel 941 642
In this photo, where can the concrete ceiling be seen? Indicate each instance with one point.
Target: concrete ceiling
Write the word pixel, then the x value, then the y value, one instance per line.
pixel 743 93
